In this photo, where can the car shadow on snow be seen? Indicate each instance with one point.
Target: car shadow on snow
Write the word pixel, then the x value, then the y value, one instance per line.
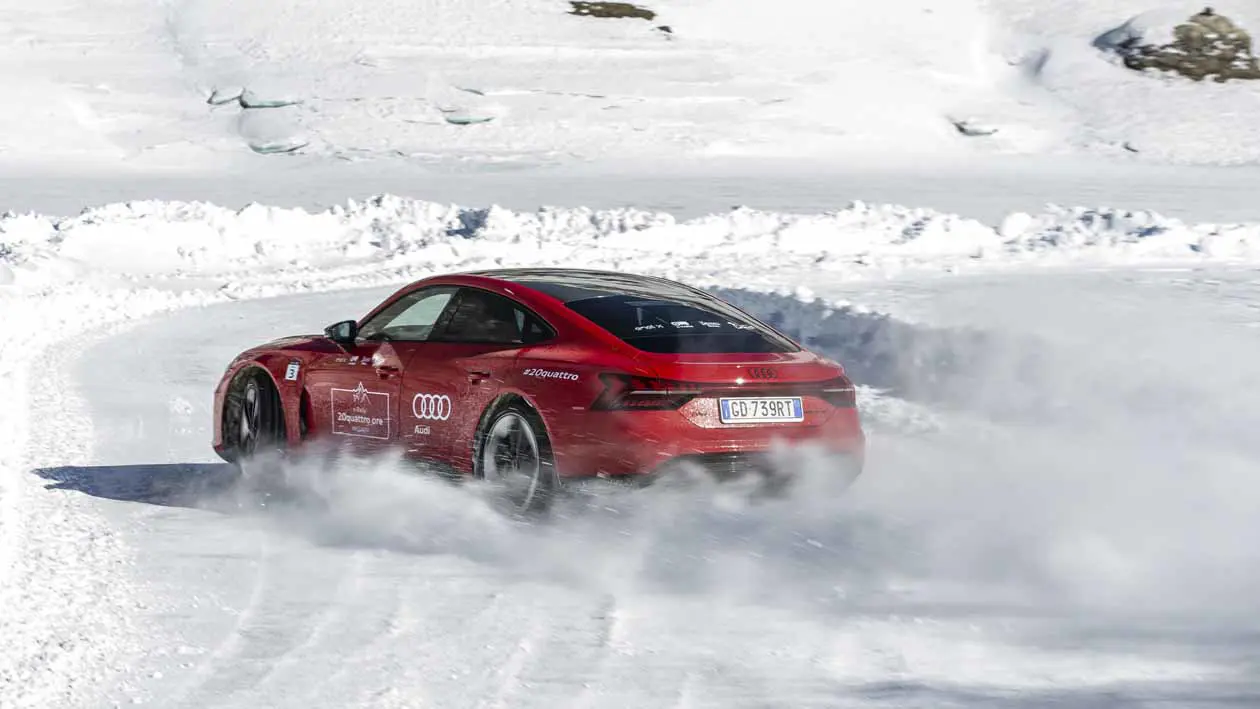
pixel 169 485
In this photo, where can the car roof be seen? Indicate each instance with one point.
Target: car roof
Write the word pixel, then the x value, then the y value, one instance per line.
pixel 570 285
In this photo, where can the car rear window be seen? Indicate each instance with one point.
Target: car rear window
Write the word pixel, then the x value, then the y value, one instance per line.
pixel 671 327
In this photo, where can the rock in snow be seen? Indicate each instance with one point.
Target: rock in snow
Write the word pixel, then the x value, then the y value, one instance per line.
pixel 1208 44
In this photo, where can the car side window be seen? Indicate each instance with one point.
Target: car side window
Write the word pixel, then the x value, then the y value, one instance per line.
pixel 411 318
pixel 532 329
pixel 484 317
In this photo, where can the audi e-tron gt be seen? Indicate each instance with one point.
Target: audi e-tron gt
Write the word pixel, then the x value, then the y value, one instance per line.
pixel 530 378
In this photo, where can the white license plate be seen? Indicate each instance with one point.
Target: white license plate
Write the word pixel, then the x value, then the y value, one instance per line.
pixel 761 410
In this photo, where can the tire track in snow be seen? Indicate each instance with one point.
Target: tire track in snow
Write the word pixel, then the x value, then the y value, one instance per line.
pixel 332 672
pixel 508 678
pixel 697 652
pixel 607 633
pixel 228 647
pixel 458 626
pixel 632 671
pixel 465 631
pixel 292 601
pixel 304 665
pixel 566 653
pixel 371 653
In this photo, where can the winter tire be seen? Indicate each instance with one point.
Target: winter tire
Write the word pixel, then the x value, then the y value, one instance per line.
pixel 514 458
pixel 254 418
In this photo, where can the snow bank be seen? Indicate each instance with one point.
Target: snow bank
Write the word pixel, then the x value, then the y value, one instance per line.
pixel 388 236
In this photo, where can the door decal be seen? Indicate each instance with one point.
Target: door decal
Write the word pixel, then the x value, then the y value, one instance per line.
pixel 359 412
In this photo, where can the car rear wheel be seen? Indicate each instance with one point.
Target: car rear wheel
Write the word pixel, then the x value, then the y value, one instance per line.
pixel 515 459
pixel 254 423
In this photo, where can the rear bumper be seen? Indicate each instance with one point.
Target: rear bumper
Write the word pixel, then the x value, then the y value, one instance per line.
pixel 733 466
pixel 748 475
pixel 648 443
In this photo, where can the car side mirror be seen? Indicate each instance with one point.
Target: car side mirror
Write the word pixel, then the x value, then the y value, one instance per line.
pixel 343 333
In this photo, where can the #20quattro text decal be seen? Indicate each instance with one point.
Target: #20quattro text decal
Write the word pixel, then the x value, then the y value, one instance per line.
pixel 550 374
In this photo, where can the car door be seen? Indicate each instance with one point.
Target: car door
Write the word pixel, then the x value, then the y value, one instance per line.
pixel 451 379
pixel 355 395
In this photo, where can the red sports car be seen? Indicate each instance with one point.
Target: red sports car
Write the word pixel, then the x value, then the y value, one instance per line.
pixel 530 378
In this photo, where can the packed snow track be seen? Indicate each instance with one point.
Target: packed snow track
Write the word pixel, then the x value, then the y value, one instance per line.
pixel 1057 513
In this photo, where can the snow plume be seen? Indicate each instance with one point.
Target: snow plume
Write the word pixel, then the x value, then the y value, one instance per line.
pixel 1061 486
pixel 686 535
pixel 1046 519
pixel 1038 479
pixel 1115 474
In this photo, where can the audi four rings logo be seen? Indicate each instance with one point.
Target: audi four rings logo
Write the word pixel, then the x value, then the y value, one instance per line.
pixel 762 373
pixel 431 407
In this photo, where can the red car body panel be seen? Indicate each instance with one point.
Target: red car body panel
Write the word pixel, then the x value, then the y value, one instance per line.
pixel 429 398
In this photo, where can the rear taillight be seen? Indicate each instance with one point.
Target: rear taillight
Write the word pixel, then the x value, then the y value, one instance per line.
pixel 839 393
pixel 623 392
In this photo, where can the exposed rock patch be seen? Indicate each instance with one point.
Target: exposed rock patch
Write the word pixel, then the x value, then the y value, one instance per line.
pixel 1206 45
pixel 611 9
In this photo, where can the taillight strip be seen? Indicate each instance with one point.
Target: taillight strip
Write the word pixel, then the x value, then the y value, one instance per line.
pixel 650 393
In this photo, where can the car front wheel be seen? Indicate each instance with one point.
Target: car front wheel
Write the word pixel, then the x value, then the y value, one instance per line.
pixel 254 423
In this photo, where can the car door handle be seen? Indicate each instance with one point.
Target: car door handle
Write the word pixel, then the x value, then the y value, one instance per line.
pixel 475 376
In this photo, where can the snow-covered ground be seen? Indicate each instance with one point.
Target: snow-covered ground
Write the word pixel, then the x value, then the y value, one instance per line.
pixel 1060 506
pixel 143 85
